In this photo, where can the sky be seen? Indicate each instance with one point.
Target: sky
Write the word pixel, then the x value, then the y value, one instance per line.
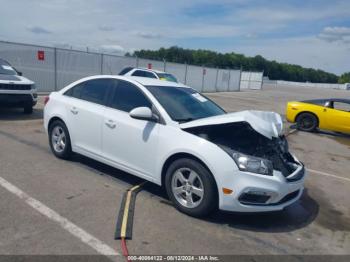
pixel 314 33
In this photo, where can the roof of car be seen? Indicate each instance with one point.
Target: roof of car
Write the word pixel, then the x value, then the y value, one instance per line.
pixel 146 81
pixel 128 69
pixel 153 70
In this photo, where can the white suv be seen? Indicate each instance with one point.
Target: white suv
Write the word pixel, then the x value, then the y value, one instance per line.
pixel 169 134
pixel 150 73
pixel 16 90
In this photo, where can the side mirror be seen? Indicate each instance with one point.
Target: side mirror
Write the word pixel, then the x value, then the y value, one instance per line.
pixel 20 73
pixel 143 113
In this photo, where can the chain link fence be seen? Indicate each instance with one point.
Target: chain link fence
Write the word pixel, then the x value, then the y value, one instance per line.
pixel 54 68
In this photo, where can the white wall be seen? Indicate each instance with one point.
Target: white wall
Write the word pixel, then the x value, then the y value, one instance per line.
pixel 281 83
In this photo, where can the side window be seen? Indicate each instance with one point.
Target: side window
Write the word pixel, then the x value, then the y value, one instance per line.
pixel 95 90
pixel 342 106
pixel 128 96
pixel 75 91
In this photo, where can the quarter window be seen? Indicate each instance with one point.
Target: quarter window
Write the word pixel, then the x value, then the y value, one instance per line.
pixel 128 96
pixel 75 91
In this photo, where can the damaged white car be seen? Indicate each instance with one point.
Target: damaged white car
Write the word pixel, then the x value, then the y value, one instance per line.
pixel 171 135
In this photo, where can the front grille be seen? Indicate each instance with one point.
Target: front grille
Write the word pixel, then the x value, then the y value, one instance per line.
pixel 15 87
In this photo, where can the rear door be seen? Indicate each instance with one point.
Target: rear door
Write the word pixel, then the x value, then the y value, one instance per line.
pixel 129 143
pixel 85 110
pixel 338 117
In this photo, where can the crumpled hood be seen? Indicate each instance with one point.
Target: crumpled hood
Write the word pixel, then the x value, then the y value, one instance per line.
pixel 269 124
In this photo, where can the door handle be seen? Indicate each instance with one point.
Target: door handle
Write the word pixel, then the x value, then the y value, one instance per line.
pixel 324 110
pixel 110 123
pixel 74 110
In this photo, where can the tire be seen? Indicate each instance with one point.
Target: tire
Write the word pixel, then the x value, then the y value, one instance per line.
pixel 61 149
pixel 28 109
pixel 307 122
pixel 203 179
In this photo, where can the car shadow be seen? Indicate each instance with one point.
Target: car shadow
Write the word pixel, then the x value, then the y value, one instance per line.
pixel 333 134
pixel 341 138
pixel 294 217
pixel 16 114
pixel 325 132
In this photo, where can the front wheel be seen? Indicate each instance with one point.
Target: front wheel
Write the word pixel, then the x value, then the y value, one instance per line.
pixel 59 140
pixel 191 187
pixel 307 122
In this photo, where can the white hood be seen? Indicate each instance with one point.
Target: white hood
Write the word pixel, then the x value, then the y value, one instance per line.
pixel 15 79
pixel 268 124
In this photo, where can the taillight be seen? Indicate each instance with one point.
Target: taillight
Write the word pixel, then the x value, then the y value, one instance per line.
pixel 46 99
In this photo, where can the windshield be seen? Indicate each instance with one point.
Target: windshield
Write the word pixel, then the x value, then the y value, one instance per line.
pixel 184 104
pixel 6 68
pixel 167 77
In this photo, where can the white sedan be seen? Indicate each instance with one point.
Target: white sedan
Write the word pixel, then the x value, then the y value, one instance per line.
pixel 169 134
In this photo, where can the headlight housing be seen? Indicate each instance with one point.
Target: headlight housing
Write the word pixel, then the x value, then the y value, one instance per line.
pixel 253 164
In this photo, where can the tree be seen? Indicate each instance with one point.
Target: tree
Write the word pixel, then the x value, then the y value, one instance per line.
pixel 344 78
pixel 272 69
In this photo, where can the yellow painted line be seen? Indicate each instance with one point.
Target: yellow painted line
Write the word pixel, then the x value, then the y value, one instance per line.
pixel 291 132
pixel 125 215
pixel 101 247
pixel 135 187
pixel 126 209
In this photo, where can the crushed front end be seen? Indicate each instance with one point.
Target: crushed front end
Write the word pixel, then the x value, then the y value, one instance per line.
pixel 268 176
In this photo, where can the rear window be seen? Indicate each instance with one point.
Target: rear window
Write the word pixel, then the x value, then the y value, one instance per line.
pixel 142 73
pixel 125 70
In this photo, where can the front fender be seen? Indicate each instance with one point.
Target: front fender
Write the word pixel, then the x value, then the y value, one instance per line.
pixel 219 163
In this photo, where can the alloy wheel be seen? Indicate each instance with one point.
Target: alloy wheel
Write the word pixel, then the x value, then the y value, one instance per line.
pixel 58 139
pixel 187 187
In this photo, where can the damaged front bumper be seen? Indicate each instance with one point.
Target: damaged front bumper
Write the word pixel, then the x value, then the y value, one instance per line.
pixel 260 193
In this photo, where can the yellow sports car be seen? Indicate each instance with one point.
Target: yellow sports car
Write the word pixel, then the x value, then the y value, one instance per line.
pixel 329 114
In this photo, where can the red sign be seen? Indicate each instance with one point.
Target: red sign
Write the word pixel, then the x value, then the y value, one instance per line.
pixel 149 66
pixel 41 55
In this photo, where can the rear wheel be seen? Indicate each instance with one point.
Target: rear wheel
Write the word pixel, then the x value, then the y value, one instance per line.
pixel 59 140
pixel 191 187
pixel 307 122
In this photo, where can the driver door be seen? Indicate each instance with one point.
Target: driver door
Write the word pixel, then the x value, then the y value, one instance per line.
pixel 129 143
pixel 338 117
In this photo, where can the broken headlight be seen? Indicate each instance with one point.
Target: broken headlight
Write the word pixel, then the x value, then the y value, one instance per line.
pixel 253 164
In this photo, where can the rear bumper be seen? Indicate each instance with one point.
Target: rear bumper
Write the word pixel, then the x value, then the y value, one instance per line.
pixel 20 99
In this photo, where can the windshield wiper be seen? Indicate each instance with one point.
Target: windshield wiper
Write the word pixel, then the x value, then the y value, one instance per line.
pixel 183 120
